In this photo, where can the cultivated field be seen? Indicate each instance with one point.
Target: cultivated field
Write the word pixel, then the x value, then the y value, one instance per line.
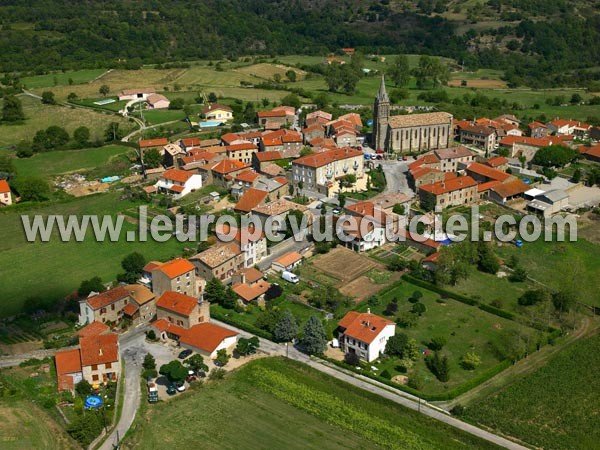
pixel 50 164
pixel 269 395
pixel 479 83
pixel 25 426
pixel 51 270
pixel 556 406
pixel 40 116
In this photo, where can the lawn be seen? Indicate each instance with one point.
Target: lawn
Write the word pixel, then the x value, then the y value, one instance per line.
pixel 40 117
pixel 548 261
pixel 277 403
pixel 50 164
pixel 556 406
pixel 62 78
pixel 53 269
pixel 466 329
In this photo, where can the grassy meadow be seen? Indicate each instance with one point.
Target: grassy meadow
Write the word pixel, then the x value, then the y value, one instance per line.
pixel 252 405
pixel 51 270
pixel 556 406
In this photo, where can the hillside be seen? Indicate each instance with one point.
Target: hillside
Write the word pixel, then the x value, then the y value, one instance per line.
pixel 537 43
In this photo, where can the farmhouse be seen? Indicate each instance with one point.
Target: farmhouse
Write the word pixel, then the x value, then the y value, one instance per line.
pixel 148 144
pixel 178 183
pixel 219 261
pixel 177 275
pixel 5 194
pixel 134 94
pixel 504 192
pixel 108 306
pixel 157 101
pixel 207 339
pixel 252 293
pixel 274 119
pixel 408 133
pixel 453 192
pixel 365 334
pixel 480 136
pixel 181 310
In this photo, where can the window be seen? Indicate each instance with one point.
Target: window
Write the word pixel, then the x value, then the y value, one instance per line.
pixel 94 377
pixel 94 366
pixel 108 365
pixel 178 279
pixel 112 307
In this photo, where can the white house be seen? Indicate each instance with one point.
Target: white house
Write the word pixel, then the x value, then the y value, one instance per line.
pixel 5 194
pixel 133 94
pixel 287 262
pixel 178 182
pixel 365 334
pixel 207 339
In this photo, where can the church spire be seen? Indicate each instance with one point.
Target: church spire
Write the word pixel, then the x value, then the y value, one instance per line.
pixel 382 94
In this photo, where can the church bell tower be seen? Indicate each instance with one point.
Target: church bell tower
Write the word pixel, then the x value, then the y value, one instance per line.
pixel 381 114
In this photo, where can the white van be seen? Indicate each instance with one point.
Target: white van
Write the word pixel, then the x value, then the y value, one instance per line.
pixel 289 276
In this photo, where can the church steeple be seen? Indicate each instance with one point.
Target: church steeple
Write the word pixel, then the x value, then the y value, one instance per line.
pixel 382 94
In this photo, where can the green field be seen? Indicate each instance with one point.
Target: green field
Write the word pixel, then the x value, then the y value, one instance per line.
pixel 555 407
pixel 276 403
pixel 51 270
pixel 50 164
pixel 62 78
pixel 466 329
pixel 546 261
pixel 40 117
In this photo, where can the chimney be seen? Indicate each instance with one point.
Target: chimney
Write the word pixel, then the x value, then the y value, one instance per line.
pixel 100 352
pixel 368 310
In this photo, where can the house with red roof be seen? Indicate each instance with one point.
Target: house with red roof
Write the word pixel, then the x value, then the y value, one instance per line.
pixel 220 261
pixel 479 135
pixel 241 152
pixel 107 307
pixel 365 334
pixel 252 241
pixel 287 262
pixel 68 369
pixel 220 113
pixel 177 275
pixel 5 194
pixel 207 339
pixel 451 192
pixel 562 127
pixel 223 172
pixel 537 130
pixel 591 153
pixel 274 119
pixel 248 293
pixel 251 199
pixel 181 310
pixel 178 183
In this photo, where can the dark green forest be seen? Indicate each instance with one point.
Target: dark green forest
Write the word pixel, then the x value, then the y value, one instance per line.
pixel 559 48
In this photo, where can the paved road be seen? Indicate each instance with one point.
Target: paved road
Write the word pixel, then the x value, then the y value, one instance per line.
pixel 395 177
pixel 289 246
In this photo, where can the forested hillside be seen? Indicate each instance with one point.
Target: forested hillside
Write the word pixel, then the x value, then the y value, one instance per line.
pixel 537 43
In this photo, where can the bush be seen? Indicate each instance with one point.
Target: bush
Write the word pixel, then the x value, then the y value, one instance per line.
pixel 470 361
pixel 533 297
pixel 352 359
pixel 439 366
pixel 386 374
pixel 436 343
pixel 217 374
pixel 418 308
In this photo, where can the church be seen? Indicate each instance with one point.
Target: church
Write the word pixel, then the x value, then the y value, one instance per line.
pixel 411 132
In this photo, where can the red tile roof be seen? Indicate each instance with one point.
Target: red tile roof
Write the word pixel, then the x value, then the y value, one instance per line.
pixel 241 146
pixel 266 114
pixel 453 184
pixel 488 172
pixel 250 200
pixel 536 125
pixel 247 176
pixel 164 325
pixel 268 156
pixel 177 303
pixel 106 298
pixel 178 175
pixel 4 187
pixel 190 142
pixel 288 259
pixel 100 349
pixel 593 151
pixel 176 267
pixel 144 143
pixel 130 309
pixel 67 361
pixel 249 293
pixel 214 107
pixel 252 274
pixel 531 141
pixel 511 189
pixel 230 137
pixel 93 329
pixel 487 185
pixel 228 166
pixel 321 159
pixel 363 326
pixel 433 258
pixel 496 161
pixel 206 336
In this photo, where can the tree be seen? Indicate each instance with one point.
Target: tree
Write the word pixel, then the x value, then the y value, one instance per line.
pixel 12 109
pixel 56 137
pixel 48 98
pixel 83 388
pixel 399 209
pixel 133 264
pixel 291 100
pixel 470 361
pixel 563 300
pixel 314 340
pixel 286 329
pixel 577 175
pixel 247 346
pixel 352 359
pixel 488 261
pixel 411 350
pixel 431 73
pixel 177 103
pixel 81 136
pixel 576 98
pixel 554 156
pixel 291 75
pixel 32 188
pixel 439 366
pixel 399 71
pixel 277 77
pixel 149 362
pixel 230 299
pixel 23 150
pixel 519 274
pixel 274 291
pixel 222 357
pixel 396 344
pixel 417 295
pixel 212 97
pixel 196 363
pixel 174 371
pixel 113 132
pixel 104 90
pixel 72 97
pixel 436 343
pixel 94 284
pixel 214 291
pixel 418 309
pixel 152 158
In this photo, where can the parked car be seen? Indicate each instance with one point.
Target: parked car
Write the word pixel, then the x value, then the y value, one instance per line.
pixel 180 386
pixel 184 354
pixel 171 389
pixel 336 210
